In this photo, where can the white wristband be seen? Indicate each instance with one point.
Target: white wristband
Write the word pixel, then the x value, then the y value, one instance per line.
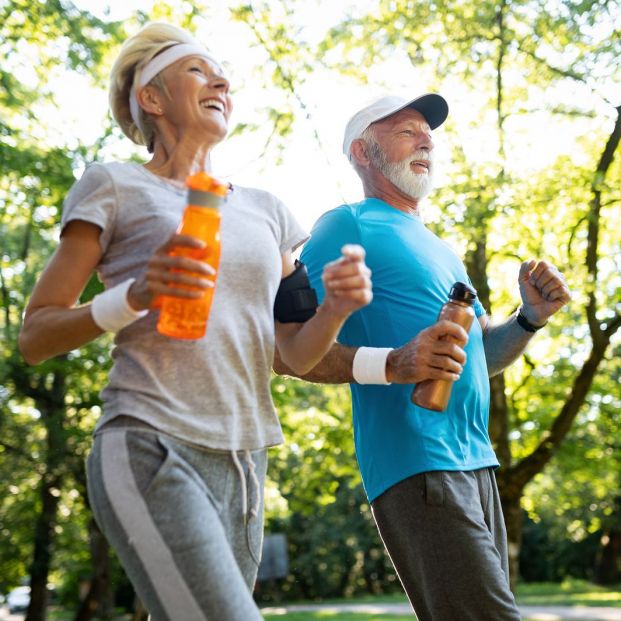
pixel 370 365
pixel 111 310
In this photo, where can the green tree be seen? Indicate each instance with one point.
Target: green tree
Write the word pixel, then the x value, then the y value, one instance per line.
pixel 43 419
pixel 577 497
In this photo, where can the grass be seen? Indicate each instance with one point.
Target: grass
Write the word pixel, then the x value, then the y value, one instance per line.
pixel 345 616
pixel 340 616
pixel 336 616
pixel 567 593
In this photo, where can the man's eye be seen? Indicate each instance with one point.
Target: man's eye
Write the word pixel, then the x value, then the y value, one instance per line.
pixel 196 69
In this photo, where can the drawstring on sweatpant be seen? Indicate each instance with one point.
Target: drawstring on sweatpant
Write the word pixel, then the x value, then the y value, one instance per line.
pixel 254 480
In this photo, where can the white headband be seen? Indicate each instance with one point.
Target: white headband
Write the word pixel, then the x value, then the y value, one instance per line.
pixel 159 63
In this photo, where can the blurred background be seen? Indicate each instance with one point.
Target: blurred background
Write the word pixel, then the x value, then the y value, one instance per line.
pixel 528 166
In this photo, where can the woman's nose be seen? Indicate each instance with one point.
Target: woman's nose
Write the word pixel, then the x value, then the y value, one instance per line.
pixel 221 83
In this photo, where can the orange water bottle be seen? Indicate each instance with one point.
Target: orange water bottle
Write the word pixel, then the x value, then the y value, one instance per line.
pixel 435 394
pixel 186 318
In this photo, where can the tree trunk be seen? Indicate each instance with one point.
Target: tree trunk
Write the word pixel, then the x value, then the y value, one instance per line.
pixel 512 510
pixel 499 420
pixel 44 534
pixel 98 600
pixel 39 569
pixel 51 405
pixel 608 563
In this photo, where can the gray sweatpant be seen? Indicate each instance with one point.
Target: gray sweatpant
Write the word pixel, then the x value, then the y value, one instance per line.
pixel 174 513
pixel 446 537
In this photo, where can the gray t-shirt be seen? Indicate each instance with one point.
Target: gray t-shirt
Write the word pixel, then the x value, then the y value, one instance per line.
pixel 213 391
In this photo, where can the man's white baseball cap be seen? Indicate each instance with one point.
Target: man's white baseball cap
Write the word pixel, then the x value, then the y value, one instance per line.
pixel 433 107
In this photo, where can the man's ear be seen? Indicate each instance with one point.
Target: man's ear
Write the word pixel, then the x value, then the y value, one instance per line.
pixel 360 153
pixel 149 99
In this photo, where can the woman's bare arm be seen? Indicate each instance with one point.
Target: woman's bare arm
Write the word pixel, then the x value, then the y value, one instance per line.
pixel 348 287
pixel 53 324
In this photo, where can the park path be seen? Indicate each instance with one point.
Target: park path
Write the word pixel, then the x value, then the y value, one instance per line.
pixel 536 613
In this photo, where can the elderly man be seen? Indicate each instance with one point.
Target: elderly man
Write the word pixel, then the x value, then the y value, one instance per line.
pixel 429 475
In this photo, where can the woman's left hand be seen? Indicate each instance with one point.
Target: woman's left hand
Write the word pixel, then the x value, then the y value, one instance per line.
pixel 347 282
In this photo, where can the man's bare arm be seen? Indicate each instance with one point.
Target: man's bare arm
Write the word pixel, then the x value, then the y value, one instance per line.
pixel 334 368
pixel 426 356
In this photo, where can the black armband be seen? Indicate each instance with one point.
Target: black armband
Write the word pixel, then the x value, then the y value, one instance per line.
pixel 296 300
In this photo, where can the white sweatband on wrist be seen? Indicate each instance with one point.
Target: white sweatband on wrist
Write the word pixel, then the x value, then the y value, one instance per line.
pixel 370 365
pixel 111 310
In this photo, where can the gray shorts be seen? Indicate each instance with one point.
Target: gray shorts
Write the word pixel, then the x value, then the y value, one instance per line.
pixel 174 513
pixel 445 534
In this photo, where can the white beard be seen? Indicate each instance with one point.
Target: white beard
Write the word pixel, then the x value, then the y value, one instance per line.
pixel 415 185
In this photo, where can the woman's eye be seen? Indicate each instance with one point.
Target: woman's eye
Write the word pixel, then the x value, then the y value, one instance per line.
pixel 196 69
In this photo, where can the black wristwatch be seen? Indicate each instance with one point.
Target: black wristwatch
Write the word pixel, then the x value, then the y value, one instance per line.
pixel 525 324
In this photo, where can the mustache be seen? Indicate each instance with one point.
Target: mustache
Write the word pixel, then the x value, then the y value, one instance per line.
pixel 422 155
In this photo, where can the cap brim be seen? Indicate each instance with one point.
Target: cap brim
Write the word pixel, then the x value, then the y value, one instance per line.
pixel 432 106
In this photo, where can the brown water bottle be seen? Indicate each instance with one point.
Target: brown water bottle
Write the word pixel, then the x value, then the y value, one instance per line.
pixel 435 394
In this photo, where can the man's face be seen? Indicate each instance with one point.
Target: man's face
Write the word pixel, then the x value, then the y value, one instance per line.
pixel 403 152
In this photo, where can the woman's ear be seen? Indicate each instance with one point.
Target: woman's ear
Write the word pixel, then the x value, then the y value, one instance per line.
pixel 149 99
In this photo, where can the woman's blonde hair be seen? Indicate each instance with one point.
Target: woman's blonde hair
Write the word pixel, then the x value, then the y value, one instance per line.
pixel 135 53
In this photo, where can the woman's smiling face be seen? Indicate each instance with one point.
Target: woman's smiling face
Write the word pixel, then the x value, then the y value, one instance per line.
pixel 200 97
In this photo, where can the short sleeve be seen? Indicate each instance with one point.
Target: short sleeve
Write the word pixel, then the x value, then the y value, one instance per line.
pixel 92 199
pixel 479 309
pixel 292 235
pixel 331 232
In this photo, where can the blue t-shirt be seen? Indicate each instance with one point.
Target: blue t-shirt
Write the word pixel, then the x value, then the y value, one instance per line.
pixel 412 273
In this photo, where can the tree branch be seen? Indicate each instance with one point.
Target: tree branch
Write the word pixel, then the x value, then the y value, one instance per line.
pixel 17 451
pixel 565 73
pixel 593 226
pixel 520 474
pixel 527 468
pixel 572 235
pixel 612 326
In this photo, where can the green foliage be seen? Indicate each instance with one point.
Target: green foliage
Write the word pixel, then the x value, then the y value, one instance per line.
pixel 320 504
pixel 584 506
pixel 36 177
pixel 289 60
pixel 549 556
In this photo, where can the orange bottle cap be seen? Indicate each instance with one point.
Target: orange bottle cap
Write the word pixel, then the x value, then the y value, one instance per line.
pixel 204 182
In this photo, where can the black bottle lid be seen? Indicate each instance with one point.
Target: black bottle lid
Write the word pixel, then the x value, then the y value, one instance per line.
pixel 463 293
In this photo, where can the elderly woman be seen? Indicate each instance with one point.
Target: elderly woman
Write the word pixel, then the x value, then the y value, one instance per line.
pixel 179 456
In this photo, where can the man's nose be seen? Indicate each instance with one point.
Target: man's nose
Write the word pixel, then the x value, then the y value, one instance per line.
pixel 425 143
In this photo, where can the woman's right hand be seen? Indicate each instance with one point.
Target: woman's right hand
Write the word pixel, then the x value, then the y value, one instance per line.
pixel 347 282
pixel 175 269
